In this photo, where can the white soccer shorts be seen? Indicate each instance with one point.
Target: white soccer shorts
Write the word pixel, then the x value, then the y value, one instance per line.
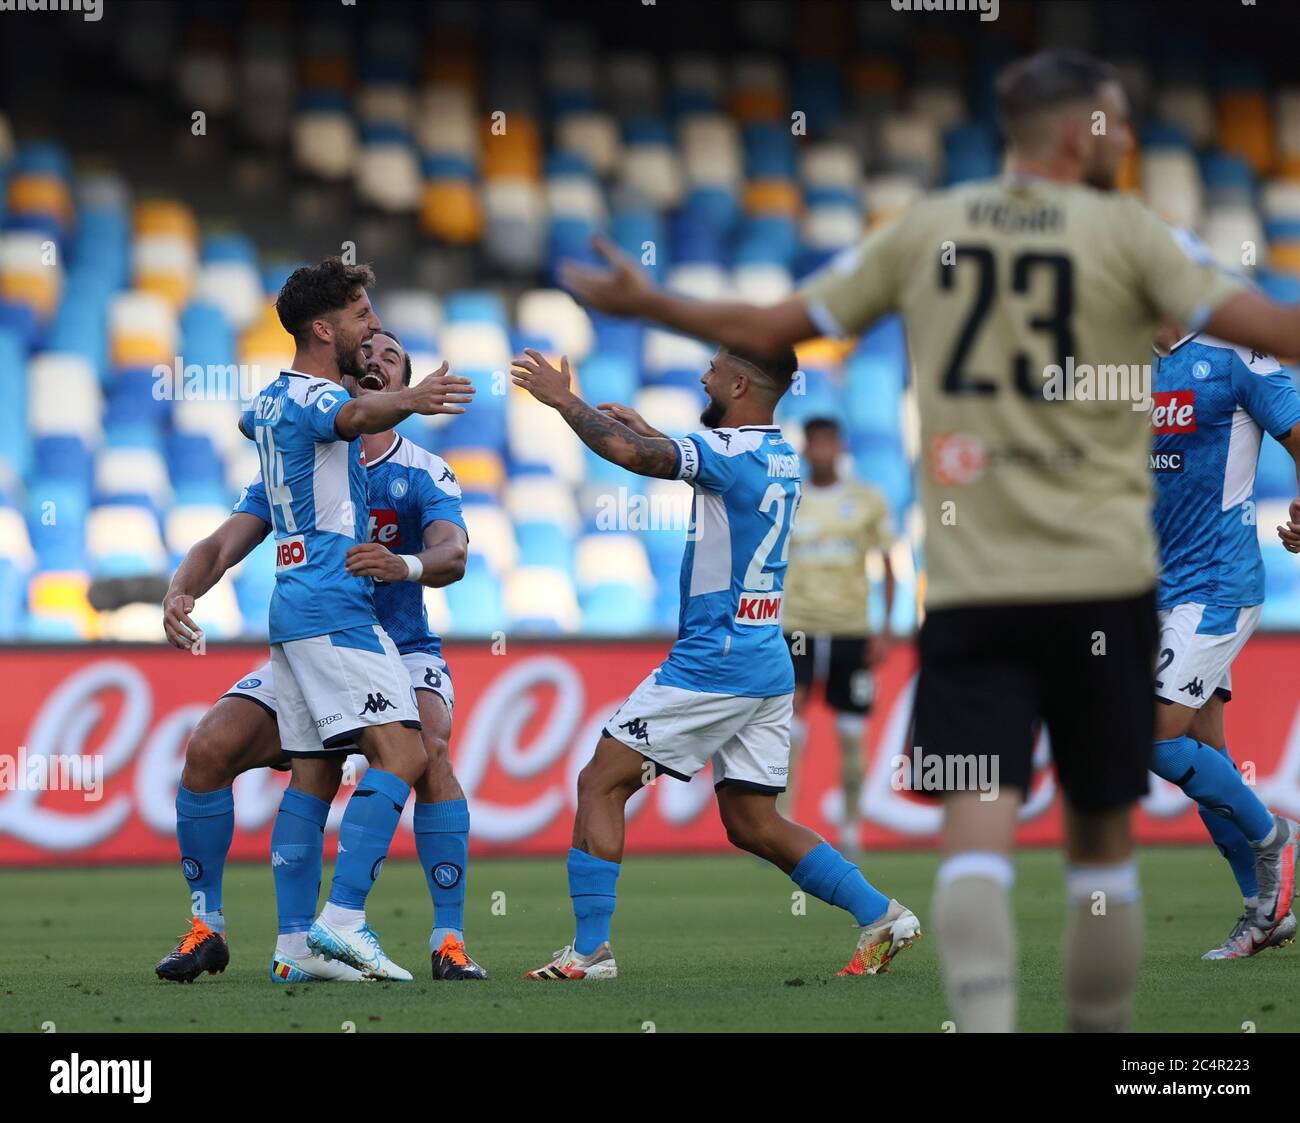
pixel 329 688
pixel 680 731
pixel 427 672
pixel 1198 643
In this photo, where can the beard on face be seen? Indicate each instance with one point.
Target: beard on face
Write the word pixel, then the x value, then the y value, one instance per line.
pixel 713 413
pixel 347 358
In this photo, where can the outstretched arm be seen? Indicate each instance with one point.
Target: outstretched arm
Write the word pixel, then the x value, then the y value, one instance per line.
pixel 439 392
pixel 600 431
pixel 625 290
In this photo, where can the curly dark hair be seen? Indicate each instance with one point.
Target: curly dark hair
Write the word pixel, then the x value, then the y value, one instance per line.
pixel 313 291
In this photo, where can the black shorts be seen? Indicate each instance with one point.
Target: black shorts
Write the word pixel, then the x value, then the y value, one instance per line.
pixel 992 675
pixel 838 661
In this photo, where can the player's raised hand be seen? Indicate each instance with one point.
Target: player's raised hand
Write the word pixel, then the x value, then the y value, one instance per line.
pixel 181 631
pixel 440 392
pixel 370 559
pixel 548 385
pixel 626 415
pixel 619 290
pixel 1290 534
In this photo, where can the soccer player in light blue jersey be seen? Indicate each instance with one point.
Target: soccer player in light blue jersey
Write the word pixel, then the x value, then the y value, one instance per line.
pixel 414 514
pixel 1212 404
pixel 724 694
pixel 339 678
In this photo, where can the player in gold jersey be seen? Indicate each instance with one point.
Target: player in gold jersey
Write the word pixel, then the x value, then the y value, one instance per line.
pixel 842 522
pixel 1039 549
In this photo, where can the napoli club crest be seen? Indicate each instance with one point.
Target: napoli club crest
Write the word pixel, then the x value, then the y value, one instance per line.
pixel 446 874
pixel 1200 369
pixel 398 487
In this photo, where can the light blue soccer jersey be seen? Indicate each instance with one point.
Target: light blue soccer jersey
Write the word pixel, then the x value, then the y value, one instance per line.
pixel 408 488
pixel 1212 402
pixel 315 487
pixel 729 640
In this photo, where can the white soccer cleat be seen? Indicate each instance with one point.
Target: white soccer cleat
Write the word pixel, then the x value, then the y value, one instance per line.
pixel 358 948
pixel 568 964
pixel 883 939
pixel 1246 940
pixel 313 969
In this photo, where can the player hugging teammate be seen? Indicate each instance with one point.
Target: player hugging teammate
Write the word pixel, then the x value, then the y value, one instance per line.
pixel 354 666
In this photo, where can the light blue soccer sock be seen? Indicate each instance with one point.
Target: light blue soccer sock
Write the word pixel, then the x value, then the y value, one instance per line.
pixel 1233 845
pixel 205 826
pixel 369 823
pixel 829 876
pixel 592 883
pixel 442 841
pixel 1208 777
pixel 296 860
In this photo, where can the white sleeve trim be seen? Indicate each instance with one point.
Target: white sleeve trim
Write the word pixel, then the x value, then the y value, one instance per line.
pixel 822 318
pixel 688 459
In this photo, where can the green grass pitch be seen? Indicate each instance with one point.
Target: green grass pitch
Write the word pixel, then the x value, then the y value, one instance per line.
pixel 702 943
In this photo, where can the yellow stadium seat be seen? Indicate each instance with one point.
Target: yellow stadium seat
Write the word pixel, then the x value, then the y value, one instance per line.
pixel 1246 129
pixel 1289 168
pixel 175 288
pixel 824 352
pixel 758 104
pixel 478 469
pixel 31 194
pixel 876 76
pixel 39 289
pixel 166 216
pixel 772 196
pixel 266 344
pixel 1130 176
pixel 1285 256
pixel 450 210
pixel 328 73
pixel 516 152
pixel 63 595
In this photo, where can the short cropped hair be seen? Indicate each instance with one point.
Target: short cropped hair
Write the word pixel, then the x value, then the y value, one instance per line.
pixel 312 291
pixel 822 425
pixel 1046 81
pixel 777 370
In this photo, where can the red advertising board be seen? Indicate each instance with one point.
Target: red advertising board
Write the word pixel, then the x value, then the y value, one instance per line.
pixel 92 740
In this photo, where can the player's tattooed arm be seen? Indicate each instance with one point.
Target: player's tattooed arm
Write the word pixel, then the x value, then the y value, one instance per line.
pixel 600 431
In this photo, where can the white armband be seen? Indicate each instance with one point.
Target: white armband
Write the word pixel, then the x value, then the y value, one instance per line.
pixel 414 567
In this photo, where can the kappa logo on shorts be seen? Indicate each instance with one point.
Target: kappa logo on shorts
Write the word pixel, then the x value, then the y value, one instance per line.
pixel 1195 688
pixel 375 704
pixel 329 720
pixel 636 729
